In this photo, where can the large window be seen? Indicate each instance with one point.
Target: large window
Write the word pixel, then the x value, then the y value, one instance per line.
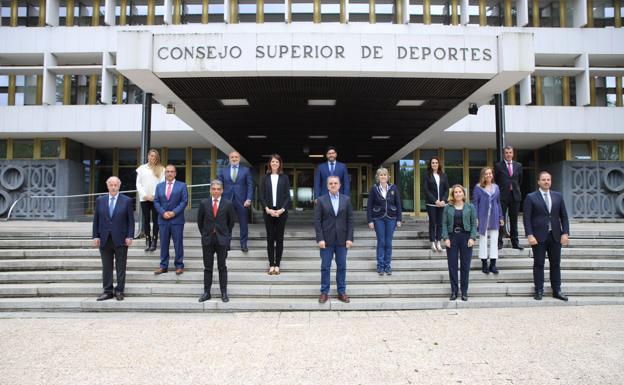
pixel 50 148
pixel 609 150
pixel 477 160
pixel 23 148
pixel 3 148
pixel 454 166
pixel 581 150
pixel 406 182
pixel 201 161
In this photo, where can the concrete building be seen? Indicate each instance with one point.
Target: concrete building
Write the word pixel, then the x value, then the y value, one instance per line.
pixel 386 82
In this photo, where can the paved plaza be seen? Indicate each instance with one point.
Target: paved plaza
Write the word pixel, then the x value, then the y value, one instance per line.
pixel 549 345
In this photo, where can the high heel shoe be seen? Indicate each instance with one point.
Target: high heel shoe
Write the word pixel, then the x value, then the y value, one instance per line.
pixel 271 270
pixel 277 270
pixel 439 246
pixel 434 248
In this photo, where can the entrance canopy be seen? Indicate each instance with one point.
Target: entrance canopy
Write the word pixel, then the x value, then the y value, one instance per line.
pixel 375 96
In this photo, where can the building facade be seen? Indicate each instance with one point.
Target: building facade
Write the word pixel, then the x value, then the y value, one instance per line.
pixel 386 82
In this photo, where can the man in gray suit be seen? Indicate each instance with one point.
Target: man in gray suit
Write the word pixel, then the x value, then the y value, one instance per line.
pixel 333 222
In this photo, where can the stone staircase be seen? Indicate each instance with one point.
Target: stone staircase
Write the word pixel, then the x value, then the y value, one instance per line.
pixel 51 266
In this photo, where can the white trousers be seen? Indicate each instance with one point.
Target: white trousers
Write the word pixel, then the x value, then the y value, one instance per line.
pixel 492 236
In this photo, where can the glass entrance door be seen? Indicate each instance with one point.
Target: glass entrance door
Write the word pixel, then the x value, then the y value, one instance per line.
pixel 301 186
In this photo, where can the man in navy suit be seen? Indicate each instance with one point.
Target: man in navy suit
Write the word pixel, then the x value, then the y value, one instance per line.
pixel 333 223
pixel 238 188
pixel 329 168
pixel 113 230
pixel 547 229
pixel 170 200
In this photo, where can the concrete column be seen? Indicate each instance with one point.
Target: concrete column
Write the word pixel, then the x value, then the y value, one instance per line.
pixel 525 91
pixel 107 79
pixel 49 79
pixel 465 12
pixel 583 97
pixel 168 14
pixel 522 13
pixel 109 12
pixel 580 13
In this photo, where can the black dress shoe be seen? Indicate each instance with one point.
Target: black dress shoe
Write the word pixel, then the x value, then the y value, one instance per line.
pixel 105 296
pixel 538 295
pixel 244 249
pixel 205 297
pixel 500 246
pixel 464 297
pixel 453 297
pixel 517 247
pixel 119 296
pixel 225 298
pixel 560 295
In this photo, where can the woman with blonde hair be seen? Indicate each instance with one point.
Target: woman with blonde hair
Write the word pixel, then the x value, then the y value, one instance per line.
pixel 459 232
pixel 486 200
pixel 383 214
pixel 148 176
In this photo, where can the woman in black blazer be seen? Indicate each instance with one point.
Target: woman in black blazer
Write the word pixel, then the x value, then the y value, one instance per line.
pixel 275 199
pixel 436 196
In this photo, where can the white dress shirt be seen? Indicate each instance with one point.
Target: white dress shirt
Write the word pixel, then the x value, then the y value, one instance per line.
pixel 274 179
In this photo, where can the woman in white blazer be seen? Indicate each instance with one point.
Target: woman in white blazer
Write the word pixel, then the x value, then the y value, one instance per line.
pixel 148 176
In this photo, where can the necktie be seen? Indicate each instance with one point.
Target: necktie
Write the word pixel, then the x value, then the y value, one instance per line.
pixel 168 192
pixel 510 169
pixel 331 168
pixel 215 207
pixel 234 173
pixel 547 200
pixel 111 206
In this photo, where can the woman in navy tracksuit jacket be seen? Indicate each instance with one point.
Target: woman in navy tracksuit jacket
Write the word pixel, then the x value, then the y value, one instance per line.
pixel 383 214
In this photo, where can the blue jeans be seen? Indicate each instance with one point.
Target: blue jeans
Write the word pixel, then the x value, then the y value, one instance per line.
pixel 384 229
pixel 327 254
pixel 459 249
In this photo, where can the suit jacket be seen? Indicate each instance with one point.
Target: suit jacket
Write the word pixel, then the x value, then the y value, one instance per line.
pixel 334 229
pixel 502 178
pixel 239 191
pixel 322 173
pixel 379 207
pixel 222 224
pixel 431 189
pixel 283 192
pixel 120 226
pixel 177 202
pixel 536 216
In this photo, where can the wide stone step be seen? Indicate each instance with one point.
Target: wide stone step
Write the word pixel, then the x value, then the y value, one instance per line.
pixel 289 278
pixel 186 304
pixel 257 265
pixel 300 253
pixel 477 289
pixel 60 243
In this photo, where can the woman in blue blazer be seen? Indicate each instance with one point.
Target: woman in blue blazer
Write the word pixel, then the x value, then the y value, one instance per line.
pixel 383 213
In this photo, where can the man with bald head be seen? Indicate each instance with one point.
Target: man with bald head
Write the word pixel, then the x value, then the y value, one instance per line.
pixel 238 188
pixel 113 230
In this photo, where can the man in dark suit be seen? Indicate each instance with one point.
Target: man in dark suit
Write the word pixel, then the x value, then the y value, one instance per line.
pixel 238 188
pixel 215 219
pixel 331 168
pixel 333 223
pixel 547 229
pixel 508 176
pixel 113 230
pixel 170 201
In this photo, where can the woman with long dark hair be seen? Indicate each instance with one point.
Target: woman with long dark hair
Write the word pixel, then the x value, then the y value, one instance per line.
pixel 275 199
pixel 436 196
